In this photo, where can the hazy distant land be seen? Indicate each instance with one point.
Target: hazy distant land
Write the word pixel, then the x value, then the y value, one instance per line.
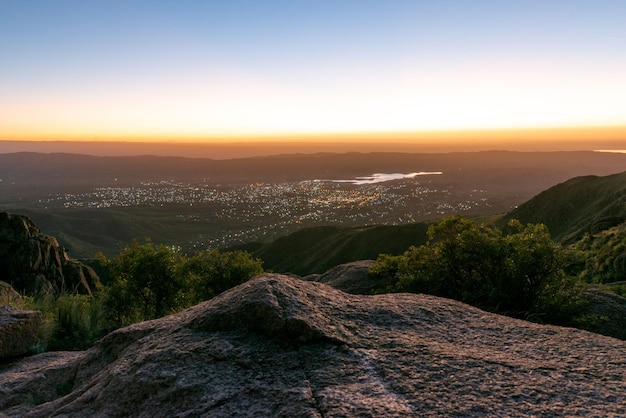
pixel 99 203
pixel 252 148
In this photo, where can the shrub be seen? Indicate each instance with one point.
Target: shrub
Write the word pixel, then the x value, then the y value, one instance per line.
pixel 145 283
pixel 520 272
pixel 149 281
pixel 211 272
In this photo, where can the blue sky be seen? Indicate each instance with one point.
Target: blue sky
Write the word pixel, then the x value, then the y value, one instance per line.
pixel 208 69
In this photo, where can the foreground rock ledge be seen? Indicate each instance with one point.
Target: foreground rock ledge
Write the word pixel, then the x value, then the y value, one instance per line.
pixel 18 331
pixel 280 346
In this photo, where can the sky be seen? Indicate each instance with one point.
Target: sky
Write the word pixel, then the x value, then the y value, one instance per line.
pixel 190 70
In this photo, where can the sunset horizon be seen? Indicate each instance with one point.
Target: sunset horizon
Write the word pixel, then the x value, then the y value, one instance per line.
pixel 241 72
pixel 530 140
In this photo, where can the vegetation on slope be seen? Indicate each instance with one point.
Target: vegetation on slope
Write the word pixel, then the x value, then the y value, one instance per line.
pixel 315 250
pixel 577 207
pixel 604 255
pixel 521 272
pixel 145 281
pixel 149 281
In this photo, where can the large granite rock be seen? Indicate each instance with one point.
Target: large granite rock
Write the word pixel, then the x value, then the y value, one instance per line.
pixel 33 262
pixel 283 347
pixel 18 331
pixel 8 295
pixel 351 277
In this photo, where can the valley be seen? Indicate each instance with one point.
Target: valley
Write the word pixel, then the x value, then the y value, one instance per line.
pixel 99 204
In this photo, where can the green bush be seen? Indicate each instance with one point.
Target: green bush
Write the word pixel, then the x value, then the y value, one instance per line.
pixel 210 273
pixel 149 281
pixel 78 322
pixel 604 255
pixel 520 272
pixel 619 289
pixel 145 283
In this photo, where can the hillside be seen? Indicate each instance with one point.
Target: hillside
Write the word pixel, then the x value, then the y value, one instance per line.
pixel 279 346
pixel 578 206
pixel 587 204
pixel 315 250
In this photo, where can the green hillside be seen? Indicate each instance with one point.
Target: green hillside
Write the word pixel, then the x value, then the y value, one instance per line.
pixel 85 232
pixel 581 205
pixel 315 250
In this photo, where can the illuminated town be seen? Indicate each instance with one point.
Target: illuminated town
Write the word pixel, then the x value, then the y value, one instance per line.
pixel 262 211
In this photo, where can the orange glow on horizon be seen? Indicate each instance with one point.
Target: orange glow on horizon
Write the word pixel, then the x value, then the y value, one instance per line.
pixel 474 136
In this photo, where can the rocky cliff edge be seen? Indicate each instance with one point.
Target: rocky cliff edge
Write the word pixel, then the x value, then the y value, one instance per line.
pixel 33 262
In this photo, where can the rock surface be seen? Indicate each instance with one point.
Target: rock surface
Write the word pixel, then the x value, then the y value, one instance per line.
pixel 349 277
pixel 281 346
pixel 33 262
pixel 18 331
pixel 608 312
pixel 8 295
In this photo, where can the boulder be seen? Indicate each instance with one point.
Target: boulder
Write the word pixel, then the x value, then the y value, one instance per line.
pixel 350 277
pixel 18 331
pixel 33 262
pixel 605 312
pixel 279 346
pixel 8 295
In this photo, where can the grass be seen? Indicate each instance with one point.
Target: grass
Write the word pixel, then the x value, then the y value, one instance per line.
pixel 619 289
pixel 70 322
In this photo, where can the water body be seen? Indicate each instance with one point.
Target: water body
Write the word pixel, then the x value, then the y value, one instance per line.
pixel 383 177
pixel 617 151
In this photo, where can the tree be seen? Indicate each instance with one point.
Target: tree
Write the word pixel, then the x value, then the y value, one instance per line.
pixel 145 283
pixel 519 271
pixel 212 272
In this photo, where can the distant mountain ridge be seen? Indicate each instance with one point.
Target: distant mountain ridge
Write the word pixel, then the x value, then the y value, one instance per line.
pixel 77 169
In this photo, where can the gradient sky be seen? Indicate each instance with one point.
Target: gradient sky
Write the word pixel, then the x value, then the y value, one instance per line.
pixel 217 69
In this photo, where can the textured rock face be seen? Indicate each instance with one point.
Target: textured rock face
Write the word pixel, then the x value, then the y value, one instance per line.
pixel 33 262
pixel 280 346
pixel 350 277
pixel 18 331
pixel 8 295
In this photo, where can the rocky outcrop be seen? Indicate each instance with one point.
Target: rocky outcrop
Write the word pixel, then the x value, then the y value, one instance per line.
pixel 350 277
pixel 18 331
pixel 281 346
pixel 605 312
pixel 8 295
pixel 33 262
